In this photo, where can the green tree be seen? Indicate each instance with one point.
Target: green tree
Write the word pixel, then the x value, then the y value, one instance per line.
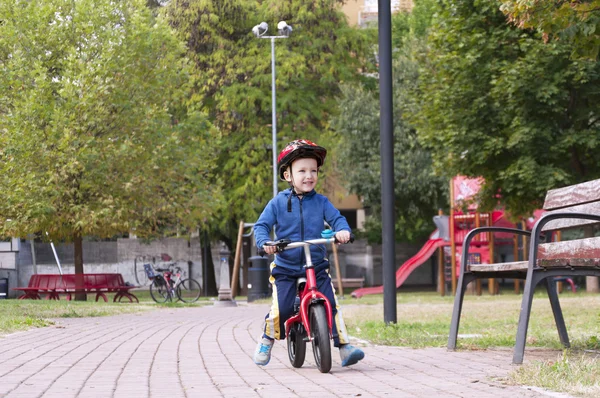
pixel 234 71
pixel 574 21
pixel 418 192
pixel 96 138
pixel 495 101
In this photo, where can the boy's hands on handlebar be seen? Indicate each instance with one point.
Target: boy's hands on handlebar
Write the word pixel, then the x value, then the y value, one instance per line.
pixel 270 249
pixel 342 236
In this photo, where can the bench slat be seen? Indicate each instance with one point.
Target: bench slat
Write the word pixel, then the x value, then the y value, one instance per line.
pixel 589 208
pixel 588 248
pixel 498 267
pixel 573 195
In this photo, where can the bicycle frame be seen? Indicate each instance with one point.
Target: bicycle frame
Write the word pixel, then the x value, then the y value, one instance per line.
pixel 310 294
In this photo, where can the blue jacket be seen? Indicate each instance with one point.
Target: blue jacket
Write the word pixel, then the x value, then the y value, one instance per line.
pixel 305 221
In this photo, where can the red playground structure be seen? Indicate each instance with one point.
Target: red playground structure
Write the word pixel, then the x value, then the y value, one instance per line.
pixel 448 238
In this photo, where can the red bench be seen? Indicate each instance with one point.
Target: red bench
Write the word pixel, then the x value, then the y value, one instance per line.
pixel 53 285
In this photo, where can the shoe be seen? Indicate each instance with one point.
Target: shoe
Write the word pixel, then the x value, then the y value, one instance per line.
pixel 262 355
pixel 350 354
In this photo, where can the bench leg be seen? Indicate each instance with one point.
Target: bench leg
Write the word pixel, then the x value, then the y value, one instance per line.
pixel 101 294
pixel 556 310
pixel 119 296
pixel 528 288
pixel 463 281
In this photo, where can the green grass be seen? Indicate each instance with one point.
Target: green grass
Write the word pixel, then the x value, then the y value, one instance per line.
pixel 423 320
pixel 18 315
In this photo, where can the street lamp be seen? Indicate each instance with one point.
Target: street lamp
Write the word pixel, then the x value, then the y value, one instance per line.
pixel 284 31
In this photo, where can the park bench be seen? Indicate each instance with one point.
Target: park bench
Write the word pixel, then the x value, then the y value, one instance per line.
pixel 353 282
pixel 548 258
pixel 53 285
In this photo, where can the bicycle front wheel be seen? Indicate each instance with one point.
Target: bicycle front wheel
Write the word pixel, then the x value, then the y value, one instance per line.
pixel 140 273
pixel 159 291
pixel 188 290
pixel 321 344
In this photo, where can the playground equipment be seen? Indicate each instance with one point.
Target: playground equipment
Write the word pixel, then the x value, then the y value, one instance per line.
pixel 450 233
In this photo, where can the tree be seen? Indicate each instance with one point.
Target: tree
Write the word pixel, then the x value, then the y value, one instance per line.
pixel 234 69
pixel 418 192
pixel 495 101
pixel 576 22
pixel 97 138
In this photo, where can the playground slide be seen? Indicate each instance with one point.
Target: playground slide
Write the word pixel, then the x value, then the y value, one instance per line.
pixel 409 266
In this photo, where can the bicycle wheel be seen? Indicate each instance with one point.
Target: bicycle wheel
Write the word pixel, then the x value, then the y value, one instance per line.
pixel 159 290
pixel 296 345
pixel 188 290
pixel 140 273
pixel 321 344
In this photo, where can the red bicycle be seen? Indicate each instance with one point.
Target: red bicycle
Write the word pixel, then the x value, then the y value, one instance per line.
pixel 313 317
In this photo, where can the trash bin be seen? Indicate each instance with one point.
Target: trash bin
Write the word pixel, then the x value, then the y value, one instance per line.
pixel 258 278
pixel 3 288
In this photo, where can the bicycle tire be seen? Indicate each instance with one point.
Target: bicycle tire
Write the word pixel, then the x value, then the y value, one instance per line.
pixel 296 345
pixel 140 274
pixel 188 290
pixel 159 290
pixel 321 343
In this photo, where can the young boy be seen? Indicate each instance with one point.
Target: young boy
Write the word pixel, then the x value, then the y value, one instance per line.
pixel 299 214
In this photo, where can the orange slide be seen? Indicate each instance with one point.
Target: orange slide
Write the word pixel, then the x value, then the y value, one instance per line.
pixel 405 269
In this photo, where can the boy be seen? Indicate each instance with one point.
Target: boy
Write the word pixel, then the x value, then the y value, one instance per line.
pixel 299 213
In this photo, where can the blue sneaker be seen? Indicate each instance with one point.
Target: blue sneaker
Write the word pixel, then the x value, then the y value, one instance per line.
pixel 262 354
pixel 350 354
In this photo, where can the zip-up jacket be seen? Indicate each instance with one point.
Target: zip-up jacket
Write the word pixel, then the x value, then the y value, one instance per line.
pixel 305 221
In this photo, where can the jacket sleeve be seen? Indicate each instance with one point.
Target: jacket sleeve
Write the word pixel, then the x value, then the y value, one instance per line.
pixel 334 218
pixel 262 227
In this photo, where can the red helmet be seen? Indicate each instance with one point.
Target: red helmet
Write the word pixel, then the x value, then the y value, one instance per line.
pixel 300 149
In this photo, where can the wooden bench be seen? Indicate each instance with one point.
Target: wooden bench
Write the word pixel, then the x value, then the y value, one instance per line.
pixel 53 285
pixel 353 282
pixel 549 258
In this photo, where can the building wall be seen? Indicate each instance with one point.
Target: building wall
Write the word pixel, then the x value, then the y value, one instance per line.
pixel 356 260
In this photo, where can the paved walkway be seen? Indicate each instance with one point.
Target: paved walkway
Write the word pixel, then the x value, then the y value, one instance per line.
pixel 207 352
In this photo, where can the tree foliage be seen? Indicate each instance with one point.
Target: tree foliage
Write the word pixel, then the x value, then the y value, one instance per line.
pixel 96 136
pixel 418 192
pixel 233 70
pixel 573 21
pixel 495 101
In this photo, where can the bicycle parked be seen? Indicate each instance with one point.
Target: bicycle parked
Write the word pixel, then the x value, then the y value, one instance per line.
pixel 170 283
pixel 312 320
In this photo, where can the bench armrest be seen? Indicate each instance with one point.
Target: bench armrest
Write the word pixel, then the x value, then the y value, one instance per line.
pixel 469 237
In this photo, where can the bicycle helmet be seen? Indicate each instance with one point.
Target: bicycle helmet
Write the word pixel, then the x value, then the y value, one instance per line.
pixel 300 149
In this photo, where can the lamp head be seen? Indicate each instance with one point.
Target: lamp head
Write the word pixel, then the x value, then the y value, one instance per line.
pixel 284 29
pixel 260 29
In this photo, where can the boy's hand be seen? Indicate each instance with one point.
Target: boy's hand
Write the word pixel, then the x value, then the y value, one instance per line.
pixel 269 249
pixel 342 236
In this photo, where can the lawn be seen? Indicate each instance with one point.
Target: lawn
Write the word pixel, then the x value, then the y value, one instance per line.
pixel 17 315
pixel 423 320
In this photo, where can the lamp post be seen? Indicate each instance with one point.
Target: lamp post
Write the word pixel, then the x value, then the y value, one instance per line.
pixel 284 31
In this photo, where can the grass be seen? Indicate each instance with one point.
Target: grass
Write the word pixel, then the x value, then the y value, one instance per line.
pixel 423 320
pixel 18 315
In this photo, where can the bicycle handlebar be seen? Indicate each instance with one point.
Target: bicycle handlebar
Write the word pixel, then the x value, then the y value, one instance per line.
pixel 285 244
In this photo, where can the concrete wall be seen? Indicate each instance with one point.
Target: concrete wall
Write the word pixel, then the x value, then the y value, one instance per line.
pixel 356 260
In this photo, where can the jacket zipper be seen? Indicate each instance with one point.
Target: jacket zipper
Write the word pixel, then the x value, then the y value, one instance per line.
pixel 302 256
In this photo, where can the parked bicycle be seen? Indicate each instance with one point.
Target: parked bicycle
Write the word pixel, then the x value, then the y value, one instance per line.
pixel 170 283
pixel 312 320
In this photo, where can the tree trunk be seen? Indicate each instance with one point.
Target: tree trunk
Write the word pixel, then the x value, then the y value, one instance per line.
pixel 209 284
pixel 78 261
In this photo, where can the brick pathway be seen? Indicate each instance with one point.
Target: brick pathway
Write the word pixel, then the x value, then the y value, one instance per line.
pixel 207 352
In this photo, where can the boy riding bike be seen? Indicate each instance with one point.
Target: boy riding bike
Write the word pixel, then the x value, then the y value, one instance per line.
pixel 299 213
